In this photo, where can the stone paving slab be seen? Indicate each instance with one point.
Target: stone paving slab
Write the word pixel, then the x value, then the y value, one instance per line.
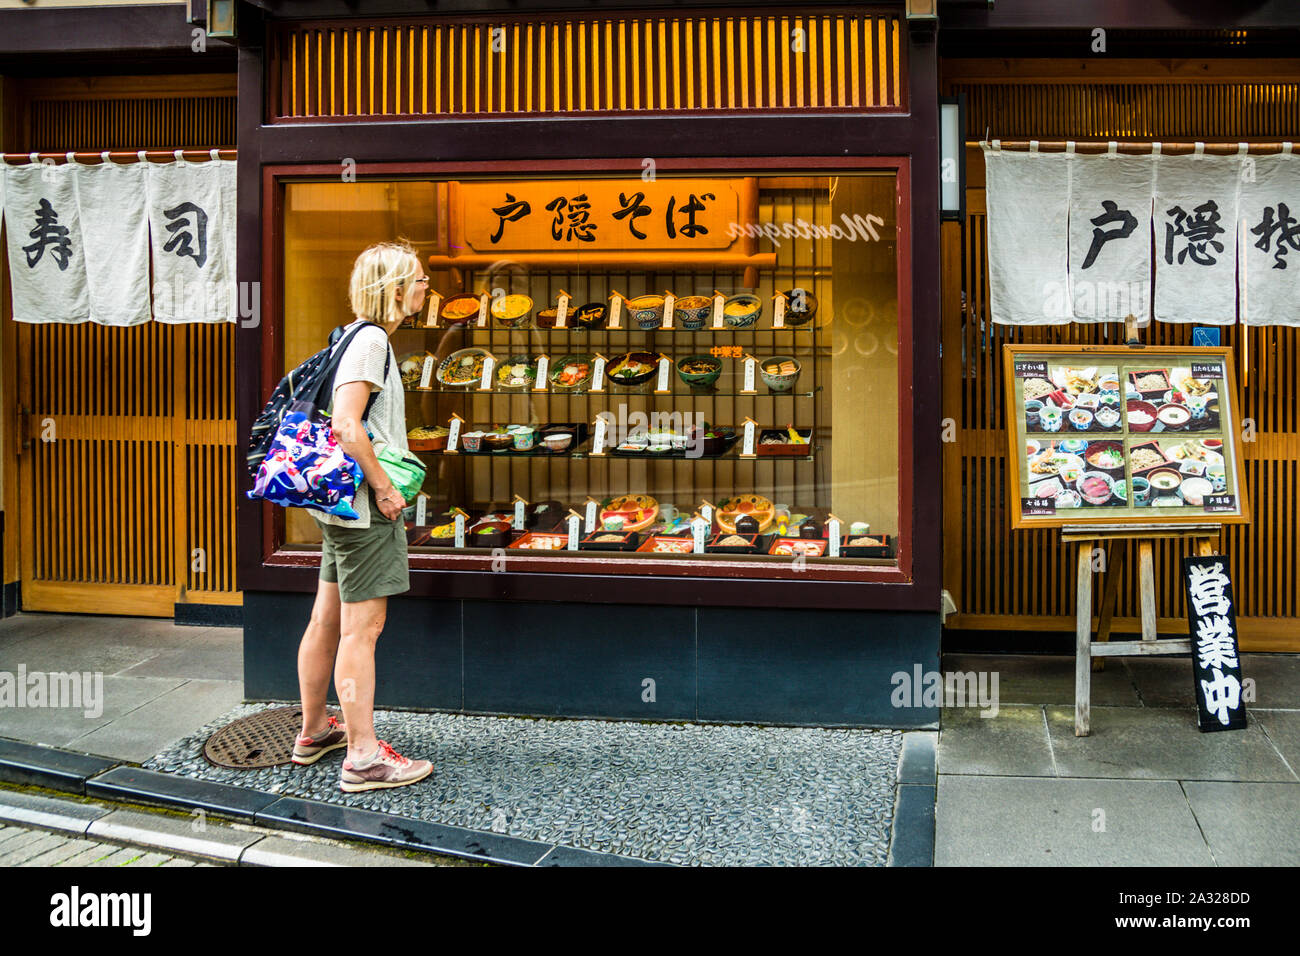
pixel 149 728
pixel 675 793
pixel 1161 744
pixel 1248 824
pixel 1045 679
pixel 1014 743
pixel 1035 821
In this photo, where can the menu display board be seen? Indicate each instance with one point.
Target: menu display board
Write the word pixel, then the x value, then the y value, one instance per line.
pixel 1116 435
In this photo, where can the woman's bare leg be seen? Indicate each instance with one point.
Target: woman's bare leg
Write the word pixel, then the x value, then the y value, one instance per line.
pixel 354 671
pixel 320 642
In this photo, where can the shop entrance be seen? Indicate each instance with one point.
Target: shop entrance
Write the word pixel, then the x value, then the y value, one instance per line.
pixel 119 469
pixel 1025 581
pixel 126 465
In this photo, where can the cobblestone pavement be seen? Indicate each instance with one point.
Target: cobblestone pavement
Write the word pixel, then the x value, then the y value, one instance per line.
pixel 21 846
pixel 679 793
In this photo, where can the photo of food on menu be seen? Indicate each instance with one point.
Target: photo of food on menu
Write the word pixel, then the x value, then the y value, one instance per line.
pixel 1129 435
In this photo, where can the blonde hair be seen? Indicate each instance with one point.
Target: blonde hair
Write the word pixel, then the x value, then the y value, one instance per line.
pixel 377 275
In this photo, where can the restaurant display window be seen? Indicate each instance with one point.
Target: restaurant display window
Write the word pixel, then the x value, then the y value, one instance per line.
pixel 641 372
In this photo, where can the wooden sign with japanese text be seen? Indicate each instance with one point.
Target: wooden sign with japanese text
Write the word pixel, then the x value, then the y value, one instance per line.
pixel 1216 661
pixel 601 215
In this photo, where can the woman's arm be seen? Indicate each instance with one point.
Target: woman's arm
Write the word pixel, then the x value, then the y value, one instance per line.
pixel 349 405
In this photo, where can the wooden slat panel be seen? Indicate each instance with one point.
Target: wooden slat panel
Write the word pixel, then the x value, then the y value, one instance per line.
pixel 1004 580
pixel 552 65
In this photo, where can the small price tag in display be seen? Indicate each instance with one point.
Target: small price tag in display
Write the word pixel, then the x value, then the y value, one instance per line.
pixel 521 508
pixel 778 311
pixel 598 373
pixel 1220 503
pixel 543 367
pixel 615 311
pixel 460 528
pixel 589 523
pixel 1207 370
pixel 453 435
pixel 670 302
pixel 719 301
pixel 483 310
pixel 562 310
pixel 598 439
pixel 833 533
pixel 706 511
pixel 421 508
pixel 426 374
pixel 435 306
pixel 699 528
pixel 1038 506
pixel 575 522
pixel 665 368
pixel 751 434
pixel 489 366
pixel 750 364
pixel 1027 369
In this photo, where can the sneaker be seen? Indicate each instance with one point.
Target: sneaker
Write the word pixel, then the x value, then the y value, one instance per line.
pixel 384 768
pixel 307 750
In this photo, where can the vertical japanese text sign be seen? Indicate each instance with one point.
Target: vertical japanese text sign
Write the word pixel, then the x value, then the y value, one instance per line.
pixel 1216 663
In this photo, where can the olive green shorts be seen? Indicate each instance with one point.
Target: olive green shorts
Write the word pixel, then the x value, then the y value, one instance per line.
pixel 369 562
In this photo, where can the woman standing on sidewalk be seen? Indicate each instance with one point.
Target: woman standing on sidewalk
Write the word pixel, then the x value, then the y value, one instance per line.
pixel 364 560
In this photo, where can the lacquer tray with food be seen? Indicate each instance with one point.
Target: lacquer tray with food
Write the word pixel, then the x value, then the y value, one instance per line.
pixel 868 546
pixel 667 544
pixel 808 547
pixel 732 543
pixel 600 540
pixel 540 541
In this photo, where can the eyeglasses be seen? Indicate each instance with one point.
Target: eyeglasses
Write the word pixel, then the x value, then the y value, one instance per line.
pixel 424 279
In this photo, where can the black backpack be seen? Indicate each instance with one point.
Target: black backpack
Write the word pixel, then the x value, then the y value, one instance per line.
pixel 311 381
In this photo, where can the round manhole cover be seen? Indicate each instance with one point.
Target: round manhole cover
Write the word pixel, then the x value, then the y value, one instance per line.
pixel 264 739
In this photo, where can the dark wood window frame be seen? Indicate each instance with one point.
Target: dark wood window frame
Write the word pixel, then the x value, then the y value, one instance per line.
pixel 642 574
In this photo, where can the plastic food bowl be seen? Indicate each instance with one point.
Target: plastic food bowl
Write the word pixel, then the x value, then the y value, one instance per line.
pixel 741 311
pixel 779 381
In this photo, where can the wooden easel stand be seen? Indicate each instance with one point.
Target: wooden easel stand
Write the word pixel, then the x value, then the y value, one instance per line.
pixel 1090 655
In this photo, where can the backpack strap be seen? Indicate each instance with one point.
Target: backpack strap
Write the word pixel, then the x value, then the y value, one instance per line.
pixel 336 357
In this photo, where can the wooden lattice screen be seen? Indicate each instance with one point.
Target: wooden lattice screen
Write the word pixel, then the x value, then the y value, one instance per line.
pixel 1025 579
pixel 584 63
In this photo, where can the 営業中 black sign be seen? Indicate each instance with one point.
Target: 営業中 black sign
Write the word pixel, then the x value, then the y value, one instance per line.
pixel 1216 663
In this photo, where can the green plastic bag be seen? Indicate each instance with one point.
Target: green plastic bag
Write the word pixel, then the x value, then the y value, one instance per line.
pixel 403 469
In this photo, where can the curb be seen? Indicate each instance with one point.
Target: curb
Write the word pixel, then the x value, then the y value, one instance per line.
pixel 912 840
pixel 167 834
pixel 86 774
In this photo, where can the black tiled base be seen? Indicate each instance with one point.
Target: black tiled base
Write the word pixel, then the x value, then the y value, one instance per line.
pixel 209 615
pixel 725 665
pixel 31 765
pixel 150 786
